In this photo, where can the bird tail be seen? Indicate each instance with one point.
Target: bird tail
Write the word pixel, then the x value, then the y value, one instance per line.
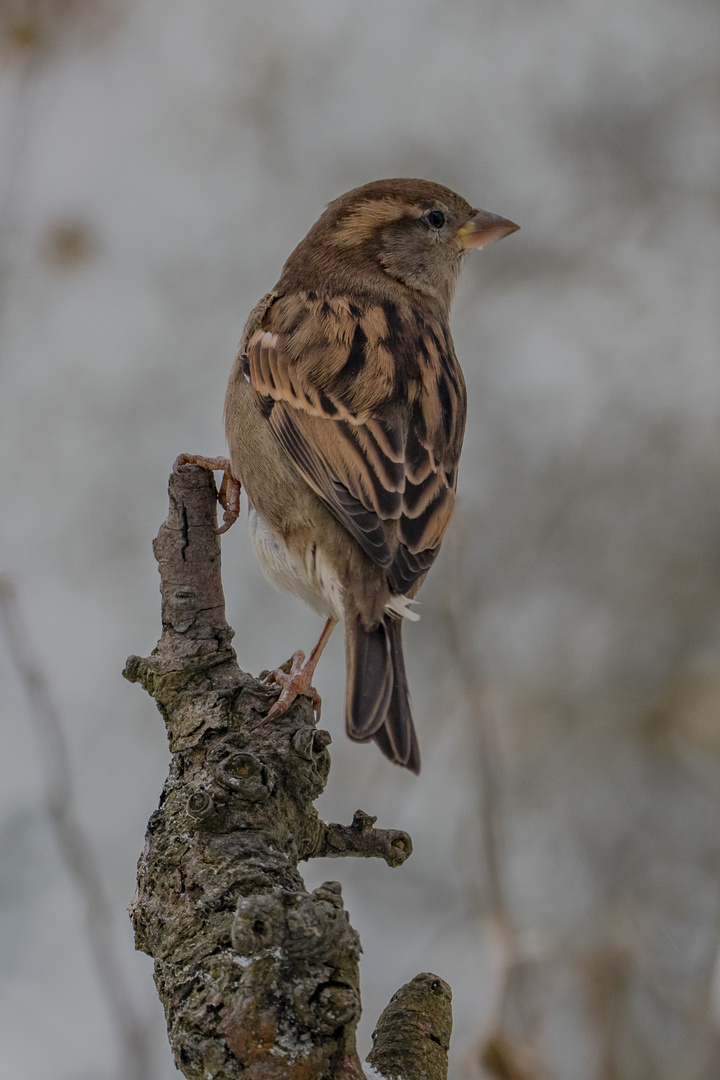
pixel 377 699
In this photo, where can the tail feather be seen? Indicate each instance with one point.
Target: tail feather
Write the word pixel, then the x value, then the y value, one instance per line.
pixel 397 738
pixel 382 738
pixel 369 679
pixel 377 703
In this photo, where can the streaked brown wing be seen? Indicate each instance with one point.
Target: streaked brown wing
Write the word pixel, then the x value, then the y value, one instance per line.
pixel 369 402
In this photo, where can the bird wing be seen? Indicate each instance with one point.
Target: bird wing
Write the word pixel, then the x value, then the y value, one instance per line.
pixel 368 400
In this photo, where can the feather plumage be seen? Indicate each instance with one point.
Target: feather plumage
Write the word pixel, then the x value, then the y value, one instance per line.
pixel 375 429
pixel 345 415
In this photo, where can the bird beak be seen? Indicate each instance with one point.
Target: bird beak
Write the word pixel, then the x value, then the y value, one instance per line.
pixel 483 229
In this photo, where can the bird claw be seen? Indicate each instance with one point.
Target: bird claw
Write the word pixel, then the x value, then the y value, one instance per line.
pixel 229 493
pixel 229 499
pixel 293 683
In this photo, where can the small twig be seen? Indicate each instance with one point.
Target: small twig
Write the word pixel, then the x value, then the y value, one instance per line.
pixel 363 839
pixel 75 848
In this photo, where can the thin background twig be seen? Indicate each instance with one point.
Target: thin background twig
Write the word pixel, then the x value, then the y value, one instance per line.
pixel 73 844
pixel 500 1055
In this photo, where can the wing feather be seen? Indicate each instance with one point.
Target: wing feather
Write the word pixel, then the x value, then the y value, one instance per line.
pixel 369 402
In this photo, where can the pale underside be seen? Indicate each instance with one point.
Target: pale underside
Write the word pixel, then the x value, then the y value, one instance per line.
pixel 312 579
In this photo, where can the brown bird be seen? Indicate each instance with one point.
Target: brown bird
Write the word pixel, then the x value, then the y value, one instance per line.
pixel 344 415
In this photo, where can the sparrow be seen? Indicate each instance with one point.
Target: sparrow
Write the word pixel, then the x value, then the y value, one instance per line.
pixel 344 415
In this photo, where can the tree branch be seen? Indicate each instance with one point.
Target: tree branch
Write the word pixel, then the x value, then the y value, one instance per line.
pixel 259 978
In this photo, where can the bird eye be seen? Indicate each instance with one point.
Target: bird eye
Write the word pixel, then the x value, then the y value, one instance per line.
pixel 435 218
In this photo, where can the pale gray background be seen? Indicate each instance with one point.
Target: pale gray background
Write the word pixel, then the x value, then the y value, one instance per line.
pixel 158 162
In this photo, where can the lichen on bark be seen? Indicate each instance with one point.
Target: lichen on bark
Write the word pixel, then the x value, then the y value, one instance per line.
pixel 259 978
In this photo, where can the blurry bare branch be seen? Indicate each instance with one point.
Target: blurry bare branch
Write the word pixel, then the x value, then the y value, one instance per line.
pixel 484 743
pixel 14 159
pixel 73 844
pixel 500 1055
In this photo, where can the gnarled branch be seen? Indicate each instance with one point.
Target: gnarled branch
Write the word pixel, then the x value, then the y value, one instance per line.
pixel 259 978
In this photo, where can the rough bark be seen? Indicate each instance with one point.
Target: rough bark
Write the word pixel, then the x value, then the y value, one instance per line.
pixel 258 977
pixel 412 1037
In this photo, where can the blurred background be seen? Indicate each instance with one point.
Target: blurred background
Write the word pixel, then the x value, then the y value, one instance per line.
pixel 158 162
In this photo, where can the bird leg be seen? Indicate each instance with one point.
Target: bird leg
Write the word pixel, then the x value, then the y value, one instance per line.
pixel 299 679
pixel 229 493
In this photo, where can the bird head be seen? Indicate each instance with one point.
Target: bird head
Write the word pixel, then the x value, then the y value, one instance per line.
pixel 412 234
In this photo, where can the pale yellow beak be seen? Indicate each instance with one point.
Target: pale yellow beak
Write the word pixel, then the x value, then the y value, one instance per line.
pixel 483 229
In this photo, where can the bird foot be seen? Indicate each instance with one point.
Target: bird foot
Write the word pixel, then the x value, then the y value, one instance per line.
pixel 292 683
pixel 229 493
